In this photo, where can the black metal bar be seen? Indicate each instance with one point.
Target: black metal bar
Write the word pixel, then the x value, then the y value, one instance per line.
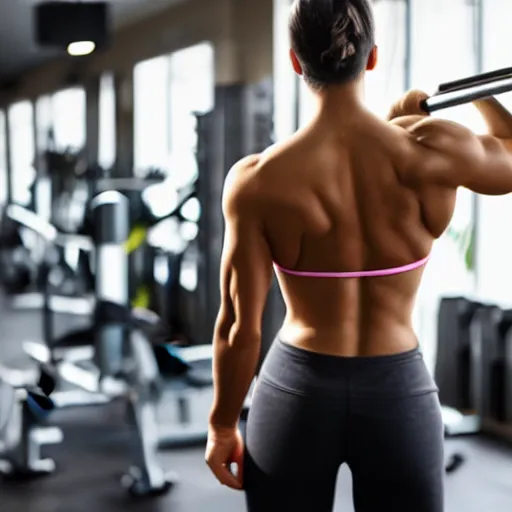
pixel 475 83
pixel 463 96
pixel 475 80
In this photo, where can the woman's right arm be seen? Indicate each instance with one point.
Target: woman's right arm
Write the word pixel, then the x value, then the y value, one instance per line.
pixel 449 154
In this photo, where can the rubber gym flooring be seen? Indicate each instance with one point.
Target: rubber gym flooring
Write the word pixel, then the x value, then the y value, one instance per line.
pixel 93 458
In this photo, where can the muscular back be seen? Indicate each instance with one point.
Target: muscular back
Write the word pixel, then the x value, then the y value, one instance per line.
pixel 345 196
pixel 342 200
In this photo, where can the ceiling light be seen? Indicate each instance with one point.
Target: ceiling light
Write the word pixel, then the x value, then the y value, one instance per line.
pixel 80 48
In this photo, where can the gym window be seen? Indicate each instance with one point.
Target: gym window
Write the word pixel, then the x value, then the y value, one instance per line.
pixel 22 149
pixel 107 128
pixel 151 104
pixel 192 89
pixel 44 122
pixel 494 245
pixel 386 83
pixel 287 108
pixel 69 118
pixel 168 91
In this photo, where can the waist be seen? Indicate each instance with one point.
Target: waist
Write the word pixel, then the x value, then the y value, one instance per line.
pixel 346 339
pixel 308 373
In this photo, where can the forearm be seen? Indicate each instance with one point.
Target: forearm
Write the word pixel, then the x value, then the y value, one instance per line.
pixel 235 362
pixel 497 118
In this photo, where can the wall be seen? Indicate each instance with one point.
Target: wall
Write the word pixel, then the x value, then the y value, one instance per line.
pixel 253 33
pixel 241 31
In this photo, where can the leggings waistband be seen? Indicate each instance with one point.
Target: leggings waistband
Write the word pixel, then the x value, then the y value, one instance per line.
pixel 307 356
pixel 311 373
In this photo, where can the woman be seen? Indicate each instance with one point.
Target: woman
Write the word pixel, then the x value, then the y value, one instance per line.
pixel 346 212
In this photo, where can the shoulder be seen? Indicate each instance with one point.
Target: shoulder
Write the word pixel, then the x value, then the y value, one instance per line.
pixel 253 174
pixel 258 179
pixel 252 182
pixel 439 131
pixel 242 185
pixel 425 130
pixel 432 147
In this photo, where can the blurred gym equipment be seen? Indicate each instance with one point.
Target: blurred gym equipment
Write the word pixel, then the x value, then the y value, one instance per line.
pixel 474 370
pixel 67 186
pixel 114 359
pixel 22 409
pixel 492 363
pixel 7 398
pixel 455 371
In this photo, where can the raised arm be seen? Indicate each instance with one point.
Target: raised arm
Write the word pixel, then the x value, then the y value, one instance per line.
pixel 246 276
pixel 450 154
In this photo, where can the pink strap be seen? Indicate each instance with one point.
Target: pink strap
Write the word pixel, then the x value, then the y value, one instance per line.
pixel 362 273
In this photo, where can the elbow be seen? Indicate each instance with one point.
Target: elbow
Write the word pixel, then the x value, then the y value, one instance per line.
pixel 244 337
pixel 224 324
pixel 235 332
pixel 237 336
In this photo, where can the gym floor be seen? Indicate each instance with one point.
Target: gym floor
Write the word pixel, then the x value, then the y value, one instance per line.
pixel 94 456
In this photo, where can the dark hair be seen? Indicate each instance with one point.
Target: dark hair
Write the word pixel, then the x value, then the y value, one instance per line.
pixel 332 39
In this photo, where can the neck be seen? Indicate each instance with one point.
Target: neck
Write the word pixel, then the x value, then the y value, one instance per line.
pixel 338 100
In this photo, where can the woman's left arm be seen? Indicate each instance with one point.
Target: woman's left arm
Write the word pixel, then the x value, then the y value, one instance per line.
pixel 246 276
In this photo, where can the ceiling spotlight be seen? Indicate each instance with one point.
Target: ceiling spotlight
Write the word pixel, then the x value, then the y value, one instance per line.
pixel 80 48
pixel 78 27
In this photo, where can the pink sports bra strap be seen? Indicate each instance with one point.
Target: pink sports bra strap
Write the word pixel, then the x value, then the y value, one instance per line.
pixel 362 273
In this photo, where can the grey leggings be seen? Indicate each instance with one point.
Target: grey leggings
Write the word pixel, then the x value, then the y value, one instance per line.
pixel 311 413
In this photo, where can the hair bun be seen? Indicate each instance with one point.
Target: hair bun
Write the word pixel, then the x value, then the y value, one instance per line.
pixel 332 39
pixel 344 37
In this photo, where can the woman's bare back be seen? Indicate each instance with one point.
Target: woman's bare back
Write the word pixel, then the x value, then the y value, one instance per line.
pixel 337 199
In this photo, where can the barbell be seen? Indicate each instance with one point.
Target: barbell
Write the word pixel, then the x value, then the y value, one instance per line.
pixel 466 90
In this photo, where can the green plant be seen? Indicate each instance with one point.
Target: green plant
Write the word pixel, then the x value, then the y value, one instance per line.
pixel 465 240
